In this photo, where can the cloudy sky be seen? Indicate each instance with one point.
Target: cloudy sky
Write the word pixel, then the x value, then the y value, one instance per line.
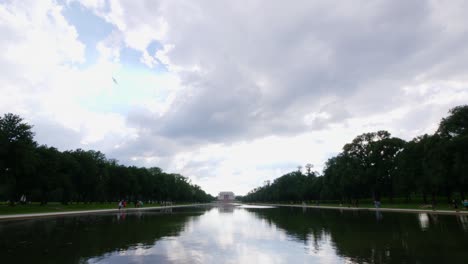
pixel 230 93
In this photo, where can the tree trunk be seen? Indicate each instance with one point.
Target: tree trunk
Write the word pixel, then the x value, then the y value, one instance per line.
pixel 408 198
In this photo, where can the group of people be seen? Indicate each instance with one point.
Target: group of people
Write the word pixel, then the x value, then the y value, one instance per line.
pixel 138 203
pixel 377 204
pixel 123 204
pixel 455 204
pixel 464 203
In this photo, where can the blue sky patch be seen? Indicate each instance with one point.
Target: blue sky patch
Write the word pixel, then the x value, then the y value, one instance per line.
pixel 131 87
pixel 91 28
pixel 153 47
pixel 131 58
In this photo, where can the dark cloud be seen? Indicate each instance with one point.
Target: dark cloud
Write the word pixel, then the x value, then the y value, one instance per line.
pixel 264 68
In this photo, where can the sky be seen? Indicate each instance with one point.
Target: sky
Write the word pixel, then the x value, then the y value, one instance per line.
pixel 230 93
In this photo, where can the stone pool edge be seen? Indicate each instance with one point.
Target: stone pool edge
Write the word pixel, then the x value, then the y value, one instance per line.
pixel 39 215
pixel 397 210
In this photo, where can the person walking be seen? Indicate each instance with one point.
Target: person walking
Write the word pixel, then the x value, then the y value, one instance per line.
pixel 455 204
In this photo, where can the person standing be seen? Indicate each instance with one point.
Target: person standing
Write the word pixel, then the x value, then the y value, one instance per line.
pixel 455 204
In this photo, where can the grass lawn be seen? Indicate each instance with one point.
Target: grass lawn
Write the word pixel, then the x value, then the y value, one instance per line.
pixel 52 207
pixel 441 206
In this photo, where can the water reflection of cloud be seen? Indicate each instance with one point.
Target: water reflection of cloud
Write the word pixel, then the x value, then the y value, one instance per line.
pixel 423 221
pixel 248 254
pixel 237 237
pixel 464 221
pixel 322 248
pixel 140 251
pixel 256 206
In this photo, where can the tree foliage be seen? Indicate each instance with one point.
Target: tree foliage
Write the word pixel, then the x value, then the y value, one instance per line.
pixel 376 165
pixel 43 173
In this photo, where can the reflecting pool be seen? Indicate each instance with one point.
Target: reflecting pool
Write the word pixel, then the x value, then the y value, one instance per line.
pixel 237 234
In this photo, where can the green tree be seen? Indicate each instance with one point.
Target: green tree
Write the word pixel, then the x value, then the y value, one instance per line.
pixel 48 180
pixel 16 157
pixel 459 150
pixel 364 150
pixel 453 132
pixel 408 169
pixel 456 124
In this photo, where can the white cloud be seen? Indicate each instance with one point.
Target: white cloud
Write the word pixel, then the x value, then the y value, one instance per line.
pixel 37 44
pixel 42 82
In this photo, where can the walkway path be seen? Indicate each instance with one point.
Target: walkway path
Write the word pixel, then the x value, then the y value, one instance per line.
pixel 401 210
pixel 37 215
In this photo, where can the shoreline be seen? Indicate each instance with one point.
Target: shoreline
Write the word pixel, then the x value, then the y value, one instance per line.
pixel 396 210
pixel 96 211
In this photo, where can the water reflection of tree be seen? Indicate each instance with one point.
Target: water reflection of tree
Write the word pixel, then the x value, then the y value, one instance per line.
pixel 361 237
pixel 73 239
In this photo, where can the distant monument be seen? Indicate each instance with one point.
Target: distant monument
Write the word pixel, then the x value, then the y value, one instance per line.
pixel 226 197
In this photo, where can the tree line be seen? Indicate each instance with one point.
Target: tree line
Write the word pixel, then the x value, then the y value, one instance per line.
pixel 44 174
pixel 376 165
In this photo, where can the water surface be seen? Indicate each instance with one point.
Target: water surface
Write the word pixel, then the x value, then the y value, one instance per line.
pixel 245 234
